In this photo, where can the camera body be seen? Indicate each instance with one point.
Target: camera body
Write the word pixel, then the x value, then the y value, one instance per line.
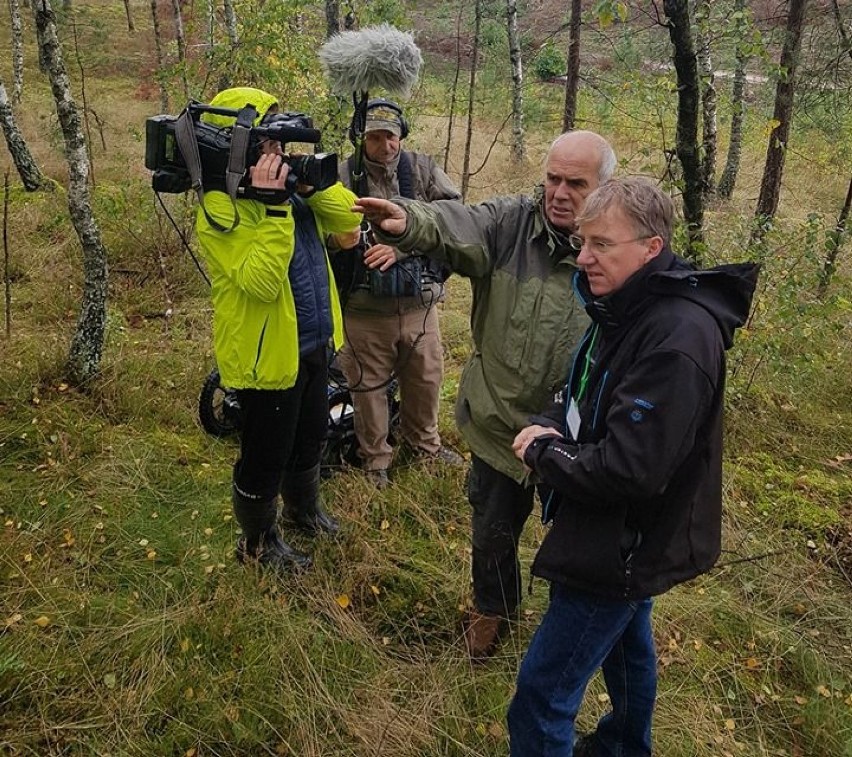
pixel 171 175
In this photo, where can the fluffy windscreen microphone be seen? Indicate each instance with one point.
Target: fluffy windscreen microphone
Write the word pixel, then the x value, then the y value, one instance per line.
pixel 374 58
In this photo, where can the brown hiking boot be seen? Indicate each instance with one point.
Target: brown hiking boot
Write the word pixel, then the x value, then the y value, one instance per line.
pixel 482 634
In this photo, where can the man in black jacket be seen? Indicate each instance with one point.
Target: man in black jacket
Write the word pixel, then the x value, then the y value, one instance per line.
pixel 632 457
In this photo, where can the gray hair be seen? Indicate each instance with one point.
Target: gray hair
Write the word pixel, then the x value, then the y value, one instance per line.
pixel 646 206
pixel 607 161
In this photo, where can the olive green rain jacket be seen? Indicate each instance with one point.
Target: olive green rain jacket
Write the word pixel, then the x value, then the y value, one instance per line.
pixel 525 318
pixel 254 322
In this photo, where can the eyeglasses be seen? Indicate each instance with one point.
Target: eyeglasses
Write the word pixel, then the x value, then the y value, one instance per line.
pixel 598 247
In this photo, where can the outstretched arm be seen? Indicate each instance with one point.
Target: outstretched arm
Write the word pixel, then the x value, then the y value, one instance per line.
pixel 383 214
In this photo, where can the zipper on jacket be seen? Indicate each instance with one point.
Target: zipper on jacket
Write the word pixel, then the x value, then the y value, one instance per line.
pixel 259 348
pixel 570 382
pixel 598 399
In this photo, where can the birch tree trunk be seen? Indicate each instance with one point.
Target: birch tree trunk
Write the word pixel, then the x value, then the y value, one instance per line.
pixel 519 151
pixel 181 46
pixel 685 65
pixel 332 17
pixel 770 186
pixel 708 95
pixel 211 27
pixel 17 51
pixel 572 78
pixel 130 26
pixel 233 41
pixel 158 46
pixel 28 169
pixel 231 24
pixel 833 244
pixel 7 283
pixel 471 96
pixel 735 145
pixel 454 91
pixel 87 343
pixel 835 237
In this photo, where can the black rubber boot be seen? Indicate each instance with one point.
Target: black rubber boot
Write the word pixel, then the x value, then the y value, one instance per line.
pixel 303 505
pixel 261 542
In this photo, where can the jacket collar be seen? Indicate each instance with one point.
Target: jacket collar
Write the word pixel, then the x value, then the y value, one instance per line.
pixel 382 171
pixel 556 240
pixel 624 304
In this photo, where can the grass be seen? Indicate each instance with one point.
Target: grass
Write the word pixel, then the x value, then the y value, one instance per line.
pixel 127 628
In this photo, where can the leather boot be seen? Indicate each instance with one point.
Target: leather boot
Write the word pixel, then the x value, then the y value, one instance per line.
pixel 303 505
pixel 482 633
pixel 261 541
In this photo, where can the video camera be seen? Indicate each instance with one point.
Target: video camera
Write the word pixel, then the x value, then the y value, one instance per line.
pixel 167 148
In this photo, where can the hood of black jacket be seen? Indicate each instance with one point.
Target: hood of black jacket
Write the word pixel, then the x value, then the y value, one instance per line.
pixel 724 291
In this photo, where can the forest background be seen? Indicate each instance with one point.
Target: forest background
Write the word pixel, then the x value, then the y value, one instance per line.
pixel 126 627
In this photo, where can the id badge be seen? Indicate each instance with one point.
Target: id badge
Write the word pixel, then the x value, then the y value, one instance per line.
pixel 572 417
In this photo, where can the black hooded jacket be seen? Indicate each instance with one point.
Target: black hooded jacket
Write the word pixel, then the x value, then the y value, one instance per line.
pixel 636 499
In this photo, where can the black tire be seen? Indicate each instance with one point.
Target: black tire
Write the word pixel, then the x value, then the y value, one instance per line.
pixel 211 407
pixel 341 448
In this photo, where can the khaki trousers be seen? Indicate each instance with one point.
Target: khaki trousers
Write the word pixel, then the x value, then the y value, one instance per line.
pixel 407 345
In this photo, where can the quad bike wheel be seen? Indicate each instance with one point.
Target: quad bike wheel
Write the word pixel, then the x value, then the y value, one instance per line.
pixel 213 407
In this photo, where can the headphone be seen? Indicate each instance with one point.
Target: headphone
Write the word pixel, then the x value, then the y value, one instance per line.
pixel 380 102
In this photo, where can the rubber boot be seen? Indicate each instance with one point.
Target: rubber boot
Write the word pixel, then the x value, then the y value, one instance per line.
pixel 303 505
pixel 261 541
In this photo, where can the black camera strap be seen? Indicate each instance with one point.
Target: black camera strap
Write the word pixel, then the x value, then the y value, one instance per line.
pixel 188 144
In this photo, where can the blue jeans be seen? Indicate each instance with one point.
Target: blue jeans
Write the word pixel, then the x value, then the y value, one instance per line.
pixel 578 634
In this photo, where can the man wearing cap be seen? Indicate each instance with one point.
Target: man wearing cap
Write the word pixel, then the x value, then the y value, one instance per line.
pixel 390 317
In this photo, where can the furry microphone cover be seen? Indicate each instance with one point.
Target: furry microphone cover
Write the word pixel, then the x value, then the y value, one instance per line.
pixel 374 58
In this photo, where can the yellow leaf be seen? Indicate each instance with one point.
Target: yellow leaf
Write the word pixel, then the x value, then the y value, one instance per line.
pixel 385 525
pixel 208 532
pixel 496 730
pixel 42 621
pixel 823 691
pixel 801 700
pixel 730 724
pixel 752 664
pixel 375 590
pixel 184 645
pixel 28 557
pixel 189 694
pixel 343 601
pixel 151 554
pixel 12 619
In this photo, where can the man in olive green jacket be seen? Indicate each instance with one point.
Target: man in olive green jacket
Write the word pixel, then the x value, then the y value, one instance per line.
pixel 525 320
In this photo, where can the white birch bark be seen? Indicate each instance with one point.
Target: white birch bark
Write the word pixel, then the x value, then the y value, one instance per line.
pixel 707 76
pixel 87 343
pixel 518 147
pixel 17 51
pixel 28 169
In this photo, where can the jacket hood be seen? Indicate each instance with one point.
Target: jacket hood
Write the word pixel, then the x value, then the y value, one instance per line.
pixel 724 291
pixel 236 98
